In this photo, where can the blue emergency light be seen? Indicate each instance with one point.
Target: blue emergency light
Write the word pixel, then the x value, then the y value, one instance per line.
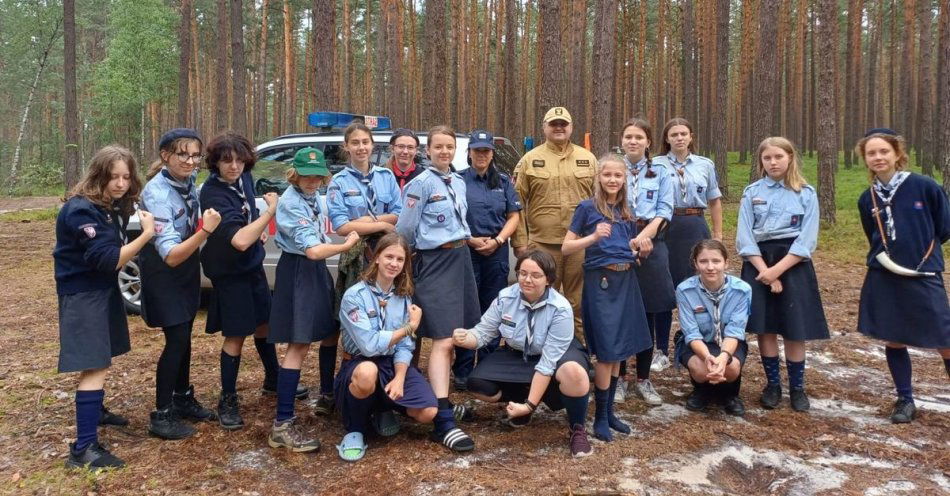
pixel 339 120
pixel 528 143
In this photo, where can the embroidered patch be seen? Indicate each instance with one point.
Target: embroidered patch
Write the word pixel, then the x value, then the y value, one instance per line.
pixel 354 315
pixel 650 195
pixel 352 192
pixel 759 201
pixel 332 195
pixel 583 163
pixel 699 309
pixel 440 218
pixel 436 198
pixel 89 230
pixel 410 202
pixel 537 163
pixel 918 205
pixel 795 220
pixel 699 189
pixel 303 221
pixel 159 227
pixel 506 320
pixel 371 314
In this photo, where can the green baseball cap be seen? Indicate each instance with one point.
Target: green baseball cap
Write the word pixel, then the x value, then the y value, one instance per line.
pixel 310 162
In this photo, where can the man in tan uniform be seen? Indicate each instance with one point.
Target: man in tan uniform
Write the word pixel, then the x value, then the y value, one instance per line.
pixel 552 179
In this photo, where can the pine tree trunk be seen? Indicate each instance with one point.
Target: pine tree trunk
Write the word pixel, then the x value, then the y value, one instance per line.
pixel 436 108
pixel 222 69
pixel 871 97
pixel 238 79
pixel 852 73
pixel 720 124
pixel 324 14
pixel 73 169
pixel 942 129
pixel 907 102
pixel 184 63
pixel 603 61
pixel 290 97
pixel 549 72
pixel 923 134
pixel 509 88
pixel 690 98
pixel 826 44
pixel 260 129
pixel 766 75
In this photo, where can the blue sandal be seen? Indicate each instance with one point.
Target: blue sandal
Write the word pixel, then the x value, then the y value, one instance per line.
pixel 352 448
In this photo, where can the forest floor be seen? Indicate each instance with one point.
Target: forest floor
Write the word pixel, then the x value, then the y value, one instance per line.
pixel 845 445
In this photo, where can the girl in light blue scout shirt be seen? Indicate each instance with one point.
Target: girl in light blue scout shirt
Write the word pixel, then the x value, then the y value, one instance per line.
pixel 776 236
pixel 366 200
pixel 541 359
pixel 615 324
pixel 713 310
pixel 433 222
pixel 302 308
pixel 379 323
pixel 650 196
pixel 171 279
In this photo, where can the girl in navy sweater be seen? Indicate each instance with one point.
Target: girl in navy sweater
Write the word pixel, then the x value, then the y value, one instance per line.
pixel 90 249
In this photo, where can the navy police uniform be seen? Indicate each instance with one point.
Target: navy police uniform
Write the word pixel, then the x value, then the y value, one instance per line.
pixel 775 221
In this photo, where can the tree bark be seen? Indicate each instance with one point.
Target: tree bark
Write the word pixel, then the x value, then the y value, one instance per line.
pixel 73 169
pixel 324 17
pixel 690 98
pixel 923 134
pixel 942 129
pixel 238 84
pixel 749 26
pixel 260 128
pixel 826 43
pixel 509 88
pixel 221 68
pixel 290 93
pixel 852 74
pixel 436 108
pixel 603 63
pixel 184 63
pixel 907 103
pixel 720 123
pixel 550 70
pixel 766 75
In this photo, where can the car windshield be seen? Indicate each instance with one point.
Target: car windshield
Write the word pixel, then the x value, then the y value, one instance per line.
pixel 272 165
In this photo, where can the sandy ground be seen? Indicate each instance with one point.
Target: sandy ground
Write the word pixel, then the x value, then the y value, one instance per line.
pixel 845 445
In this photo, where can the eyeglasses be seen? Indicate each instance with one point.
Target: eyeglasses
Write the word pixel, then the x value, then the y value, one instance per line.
pixel 534 276
pixel 404 148
pixel 185 157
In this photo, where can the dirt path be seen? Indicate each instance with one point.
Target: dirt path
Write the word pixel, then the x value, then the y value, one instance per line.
pixel 15 203
pixel 843 446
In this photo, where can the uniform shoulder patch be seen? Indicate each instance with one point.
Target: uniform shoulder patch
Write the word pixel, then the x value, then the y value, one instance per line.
pixel 537 163
pixel 583 163
pixel 89 230
pixel 354 315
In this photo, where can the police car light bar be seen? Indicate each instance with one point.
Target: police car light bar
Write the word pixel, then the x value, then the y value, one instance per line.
pixel 339 120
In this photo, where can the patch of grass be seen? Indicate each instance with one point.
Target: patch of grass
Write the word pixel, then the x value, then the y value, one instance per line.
pixel 36 215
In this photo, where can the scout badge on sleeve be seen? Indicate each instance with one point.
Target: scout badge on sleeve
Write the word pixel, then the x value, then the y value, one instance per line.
pixel 884 258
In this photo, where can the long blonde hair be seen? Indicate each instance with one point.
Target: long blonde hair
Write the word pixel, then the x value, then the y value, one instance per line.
pixel 793 176
pixel 600 196
pixel 93 185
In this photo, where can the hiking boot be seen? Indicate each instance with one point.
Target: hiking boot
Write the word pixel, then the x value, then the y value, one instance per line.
pixel 734 406
pixel 660 363
pixel 698 400
pixel 771 396
pixel 229 414
pixel 324 405
pixel 621 391
pixel 166 424
pixel 95 457
pixel 187 407
pixel 646 391
pixel 799 400
pixel 580 445
pixel 269 389
pixel 108 418
pixel 286 434
pixel 904 411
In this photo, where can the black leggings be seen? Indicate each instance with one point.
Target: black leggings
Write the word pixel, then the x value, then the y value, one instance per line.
pixel 174 365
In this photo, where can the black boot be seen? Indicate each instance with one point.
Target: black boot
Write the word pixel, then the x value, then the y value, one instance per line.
pixel 166 424
pixel 187 407
pixel 229 415
pixel 108 418
pixel 95 457
pixel 698 400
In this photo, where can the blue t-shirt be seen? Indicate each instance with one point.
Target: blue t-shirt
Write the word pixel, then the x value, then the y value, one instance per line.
pixel 610 250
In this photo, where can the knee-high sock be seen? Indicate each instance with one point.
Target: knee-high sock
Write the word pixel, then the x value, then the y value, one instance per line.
pixel 771 366
pixel 796 374
pixel 644 359
pixel 612 420
pixel 88 409
pixel 268 353
pixel 898 361
pixel 229 372
pixel 327 367
pixel 168 370
pixel 445 417
pixel 184 366
pixel 576 407
pixel 601 412
pixel 663 322
pixel 287 380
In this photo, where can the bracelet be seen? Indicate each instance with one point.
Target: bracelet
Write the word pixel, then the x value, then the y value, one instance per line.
pixel 531 405
pixel 499 241
pixel 410 331
pixel 730 356
pixel 205 230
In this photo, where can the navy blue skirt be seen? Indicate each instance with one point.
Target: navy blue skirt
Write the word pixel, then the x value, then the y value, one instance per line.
pixel 416 391
pixel 170 295
pixel 909 310
pixel 445 290
pixel 302 308
pixel 93 328
pixel 615 324
pixel 796 313
pixel 238 304
pixel 684 232
pixel 656 283
pixel 683 352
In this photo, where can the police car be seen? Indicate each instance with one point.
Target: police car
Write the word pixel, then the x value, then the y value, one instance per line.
pixel 274 158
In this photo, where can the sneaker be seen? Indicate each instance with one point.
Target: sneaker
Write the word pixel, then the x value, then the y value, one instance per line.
pixel 108 418
pixel 580 445
pixel 904 411
pixel 660 363
pixel 286 434
pixel 621 394
pixel 324 405
pixel 463 413
pixel 698 400
pixel 771 396
pixel 734 406
pixel 799 400
pixel 646 391
pixel 166 424
pixel 460 383
pixel 229 414
pixel 95 457
pixel 385 423
pixel 302 393
pixel 187 406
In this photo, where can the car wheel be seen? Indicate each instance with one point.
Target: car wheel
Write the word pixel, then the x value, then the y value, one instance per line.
pixel 130 285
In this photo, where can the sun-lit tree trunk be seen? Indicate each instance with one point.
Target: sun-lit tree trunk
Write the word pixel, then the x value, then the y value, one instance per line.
pixel 222 70
pixel 922 133
pixel 603 63
pixel 549 73
pixel 324 15
pixel 719 120
pixel 73 169
pixel 766 74
pixel 826 42
pixel 942 128
pixel 184 63
pixel 238 78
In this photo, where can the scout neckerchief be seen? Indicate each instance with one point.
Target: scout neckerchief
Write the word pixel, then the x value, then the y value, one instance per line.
pixel 447 179
pixel 532 315
pixel 367 182
pixel 680 173
pixel 886 194
pixel 186 190
pixel 238 189
pixel 311 201
pixel 121 222
pixel 381 299
pixel 635 178
pixel 715 297
pixel 402 176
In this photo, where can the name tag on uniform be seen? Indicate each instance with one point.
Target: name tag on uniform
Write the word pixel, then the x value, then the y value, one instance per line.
pixel 352 192
pixel 507 320
pixel 436 198
pixel 537 163
pixel 758 201
pixel 371 314
pixel 583 163
pixel 699 309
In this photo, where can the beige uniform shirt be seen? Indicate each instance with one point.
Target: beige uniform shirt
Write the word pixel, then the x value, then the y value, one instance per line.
pixel 551 181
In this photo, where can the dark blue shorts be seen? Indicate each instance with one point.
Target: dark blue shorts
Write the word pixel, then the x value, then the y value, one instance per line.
pixel 417 393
